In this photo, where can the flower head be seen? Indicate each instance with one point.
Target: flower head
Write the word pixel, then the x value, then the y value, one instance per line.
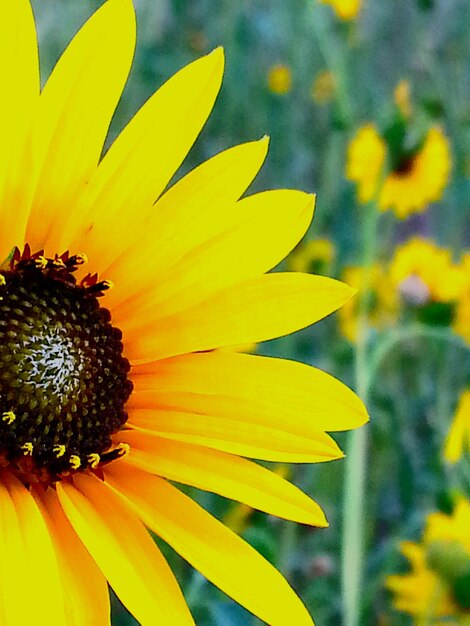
pixel 399 178
pixel 437 586
pixel 424 272
pixel 420 179
pixel 118 299
pixel 280 79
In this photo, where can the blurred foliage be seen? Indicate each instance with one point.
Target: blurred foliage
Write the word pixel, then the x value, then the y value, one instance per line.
pixel 343 75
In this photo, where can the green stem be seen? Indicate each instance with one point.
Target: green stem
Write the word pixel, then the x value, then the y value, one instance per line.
pixel 355 462
pixel 335 61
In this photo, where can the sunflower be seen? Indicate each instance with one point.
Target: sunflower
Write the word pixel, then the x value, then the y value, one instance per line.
pixel 436 590
pixel 414 177
pixel 108 396
pixel 422 272
pixel 420 179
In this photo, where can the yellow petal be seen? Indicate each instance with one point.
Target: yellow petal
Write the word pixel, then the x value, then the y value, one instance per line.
pixel 458 436
pixel 253 386
pixel 75 110
pixel 270 225
pixel 252 311
pixel 210 547
pixel 29 596
pixel 221 473
pixel 454 442
pixel 186 216
pixel 143 159
pixel 124 551
pixel 19 70
pixel 253 438
pixel 85 589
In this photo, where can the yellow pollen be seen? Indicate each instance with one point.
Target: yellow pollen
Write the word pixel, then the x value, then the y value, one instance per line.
pixel 2 280
pixel 41 262
pixel 28 448
pixel 93 459
pixel 59 450
pixel 107 284
pixel 58 263
pixel 81 258
pixel 9 417
pixel 75 461
pixel 125 448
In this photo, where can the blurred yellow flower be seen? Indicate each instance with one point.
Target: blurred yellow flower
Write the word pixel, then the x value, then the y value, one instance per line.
pixel 415 181
pixel 280 79
pixel 345 9
pixel 422 272
pixel 450 528
pixel 458 438
pixel 315 256
pixel 402 98
pixel 365 162
pixel 420 179
pixel 436 590
pixel 323 87
pixel 461 324
pixel 382 302
pixel 414 592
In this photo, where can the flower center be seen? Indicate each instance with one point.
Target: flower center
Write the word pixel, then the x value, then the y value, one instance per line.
pixel 63 379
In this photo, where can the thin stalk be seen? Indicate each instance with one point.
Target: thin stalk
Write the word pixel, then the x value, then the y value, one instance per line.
pixel 335 59
pixel 354 521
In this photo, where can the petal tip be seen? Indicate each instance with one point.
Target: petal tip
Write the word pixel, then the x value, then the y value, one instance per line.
pixel 218 56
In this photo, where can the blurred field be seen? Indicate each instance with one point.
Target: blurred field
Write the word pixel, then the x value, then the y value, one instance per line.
pixel 411 364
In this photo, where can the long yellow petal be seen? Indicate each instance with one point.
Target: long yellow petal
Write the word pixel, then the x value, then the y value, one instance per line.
pixel 124 551
pixel 218 553
pixel 29 596
pixel 19 70
pixel 132 175
pixel 252 311
pixel 258 439
pixel 225 474
pixel 276 389
pixel 269 225
pixel 187 215
pixel 75 109
pixel 85 589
